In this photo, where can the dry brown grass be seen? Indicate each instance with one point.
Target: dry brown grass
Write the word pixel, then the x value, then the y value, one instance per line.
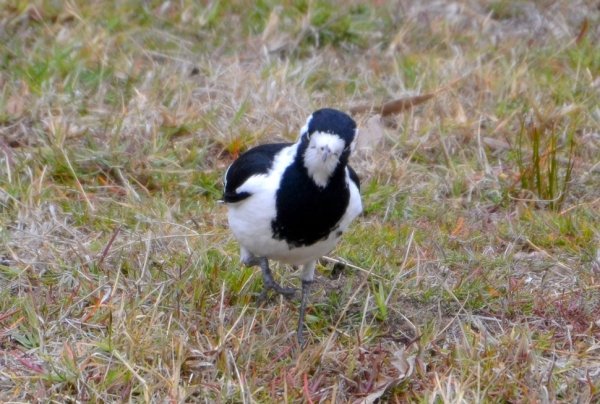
pixel 120 281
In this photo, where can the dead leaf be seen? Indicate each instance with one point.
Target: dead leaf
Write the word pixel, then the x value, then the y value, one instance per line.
pixel 461 117
pixel 393 107
pixel 400 105
pixel 371 135
pixel 14 106
pixel 405 366
pixel 380 391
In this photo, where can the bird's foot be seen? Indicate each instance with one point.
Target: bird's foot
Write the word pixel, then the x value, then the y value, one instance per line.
pixel 270 282
pixel 288 293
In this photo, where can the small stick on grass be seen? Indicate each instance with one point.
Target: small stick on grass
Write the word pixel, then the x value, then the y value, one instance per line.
pixel 108 245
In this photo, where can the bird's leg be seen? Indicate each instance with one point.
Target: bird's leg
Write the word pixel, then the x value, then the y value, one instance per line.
pixel 308 274
pixel 305 290
pixel 250 260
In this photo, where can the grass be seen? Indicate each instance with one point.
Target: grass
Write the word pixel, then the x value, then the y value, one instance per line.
pixel 472 275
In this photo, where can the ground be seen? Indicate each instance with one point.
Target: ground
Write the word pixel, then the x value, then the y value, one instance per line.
pixel 471 276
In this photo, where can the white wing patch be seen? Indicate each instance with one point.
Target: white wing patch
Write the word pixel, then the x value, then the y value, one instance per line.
pixel 355 203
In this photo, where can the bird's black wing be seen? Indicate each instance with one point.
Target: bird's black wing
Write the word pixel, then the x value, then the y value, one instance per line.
pixel 257 160
pixel 354 177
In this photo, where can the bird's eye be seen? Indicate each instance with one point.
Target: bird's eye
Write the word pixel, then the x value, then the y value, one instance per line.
pixel 307 136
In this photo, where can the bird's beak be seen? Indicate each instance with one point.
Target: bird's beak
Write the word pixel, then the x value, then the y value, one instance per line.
pixel 326 153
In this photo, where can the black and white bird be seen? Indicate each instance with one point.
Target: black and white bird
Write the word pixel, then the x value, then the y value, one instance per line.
pixel 291 202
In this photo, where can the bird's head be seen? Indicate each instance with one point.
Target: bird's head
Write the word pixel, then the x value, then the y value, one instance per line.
pixel 328 138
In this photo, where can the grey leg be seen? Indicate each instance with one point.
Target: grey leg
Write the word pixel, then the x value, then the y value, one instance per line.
pixel 305 292
pixel 308 274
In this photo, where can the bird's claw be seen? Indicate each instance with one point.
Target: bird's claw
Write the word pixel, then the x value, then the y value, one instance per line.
pixel 288 293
